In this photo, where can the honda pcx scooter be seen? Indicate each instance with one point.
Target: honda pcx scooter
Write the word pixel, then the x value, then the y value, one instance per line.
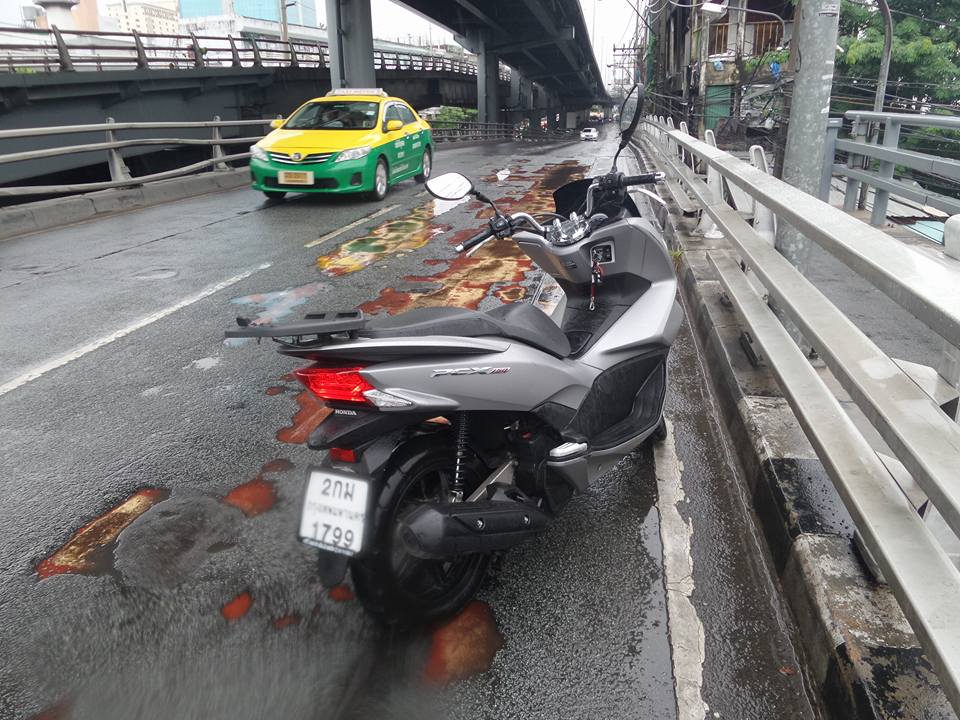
pixel 456 434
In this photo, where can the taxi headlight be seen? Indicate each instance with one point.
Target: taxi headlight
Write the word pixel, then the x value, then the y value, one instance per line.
pixel 258 153
pixel 354 153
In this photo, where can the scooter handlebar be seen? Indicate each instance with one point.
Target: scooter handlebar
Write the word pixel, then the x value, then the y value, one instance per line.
pixel 475 240
pixel 645 179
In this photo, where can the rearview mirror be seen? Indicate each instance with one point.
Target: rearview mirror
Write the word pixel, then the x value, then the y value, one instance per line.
pixel 449 186
pixel 393 125
pixel 276 123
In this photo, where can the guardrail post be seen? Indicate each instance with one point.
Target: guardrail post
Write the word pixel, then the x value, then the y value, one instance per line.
pixel 65 62
pixel 294 62
pixel 217 148
pixel 257 59
pixel 197 51
pixel 891 139
pixel 859 134
pixel 234 53
pixel 142 62
pixel 118 168
pixel 829 150
pixel 764 221
pixel 707 227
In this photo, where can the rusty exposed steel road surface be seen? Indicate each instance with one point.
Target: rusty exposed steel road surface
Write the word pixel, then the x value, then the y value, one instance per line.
pixel 152 475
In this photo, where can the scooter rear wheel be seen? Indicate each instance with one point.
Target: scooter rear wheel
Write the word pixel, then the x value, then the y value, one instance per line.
pixel 397 587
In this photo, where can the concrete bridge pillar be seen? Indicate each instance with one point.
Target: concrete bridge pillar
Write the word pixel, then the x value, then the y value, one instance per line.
pixel 488 76
pixel 350 31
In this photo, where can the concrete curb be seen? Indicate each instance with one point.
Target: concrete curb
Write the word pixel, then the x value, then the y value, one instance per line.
pixel 862 655
pixel 18 220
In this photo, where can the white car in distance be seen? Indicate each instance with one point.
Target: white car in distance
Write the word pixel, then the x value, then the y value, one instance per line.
pixel 589 133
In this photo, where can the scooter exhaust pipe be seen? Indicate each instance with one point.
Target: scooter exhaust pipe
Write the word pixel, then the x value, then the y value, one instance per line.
pixel 445 530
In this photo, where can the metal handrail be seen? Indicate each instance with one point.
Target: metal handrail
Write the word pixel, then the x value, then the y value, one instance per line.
pixel 108 50
pixel 443 132
pixel 889 155
pixel 923 437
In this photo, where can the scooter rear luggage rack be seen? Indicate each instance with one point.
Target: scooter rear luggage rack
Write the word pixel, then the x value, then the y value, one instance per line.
pixel 320 327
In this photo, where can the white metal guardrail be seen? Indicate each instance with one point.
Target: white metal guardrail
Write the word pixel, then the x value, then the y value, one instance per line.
pixel 925 439
pixel 120 176
pixel 860 156
pixel 29 50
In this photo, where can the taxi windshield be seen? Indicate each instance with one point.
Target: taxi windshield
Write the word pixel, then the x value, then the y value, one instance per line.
pixel 334 115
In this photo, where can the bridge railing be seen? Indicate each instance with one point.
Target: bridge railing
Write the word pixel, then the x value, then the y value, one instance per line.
pixel 223 147
pixel 861 155
pixel 892 500
pixel 32 50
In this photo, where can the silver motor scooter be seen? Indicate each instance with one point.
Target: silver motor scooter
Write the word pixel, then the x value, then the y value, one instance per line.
pixel 456 434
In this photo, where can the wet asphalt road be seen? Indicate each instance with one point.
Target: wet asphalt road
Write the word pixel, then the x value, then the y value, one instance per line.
pixel 205 606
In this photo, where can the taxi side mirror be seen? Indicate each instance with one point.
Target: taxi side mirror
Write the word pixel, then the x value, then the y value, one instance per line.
pixel 276 123
pixel 393 125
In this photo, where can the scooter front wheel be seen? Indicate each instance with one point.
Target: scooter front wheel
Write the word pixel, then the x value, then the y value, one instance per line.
pixel 394 585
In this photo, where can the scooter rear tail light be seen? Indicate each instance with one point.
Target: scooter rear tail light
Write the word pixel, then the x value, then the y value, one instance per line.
pixel 337 384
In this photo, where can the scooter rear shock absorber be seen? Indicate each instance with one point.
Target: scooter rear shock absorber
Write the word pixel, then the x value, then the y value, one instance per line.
pixel 459 468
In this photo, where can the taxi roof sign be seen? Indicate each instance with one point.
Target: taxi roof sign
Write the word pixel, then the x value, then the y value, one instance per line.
pixel 357 91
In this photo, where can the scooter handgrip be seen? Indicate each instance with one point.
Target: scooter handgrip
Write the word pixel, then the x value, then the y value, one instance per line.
pixel 645 179
pixel 474 241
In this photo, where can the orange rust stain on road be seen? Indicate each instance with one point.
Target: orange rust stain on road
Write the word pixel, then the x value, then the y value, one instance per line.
pixel 499 265
pixel 78 555
pixel 408 233
pixel 286 621
pixel 464 646
pixel 466 281
pixel 258 495
pixel 276 390
pixel 312 412
pixel 341 593
pixel 238 607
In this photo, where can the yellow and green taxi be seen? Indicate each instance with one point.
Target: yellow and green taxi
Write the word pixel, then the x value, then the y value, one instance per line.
pixel 347 141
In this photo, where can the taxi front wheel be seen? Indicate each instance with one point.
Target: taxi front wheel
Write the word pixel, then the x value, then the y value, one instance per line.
pixel 380 184
pixel 425 167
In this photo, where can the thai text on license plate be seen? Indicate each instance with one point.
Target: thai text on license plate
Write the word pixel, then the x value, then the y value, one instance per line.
pixel 300 177
pixel 334 511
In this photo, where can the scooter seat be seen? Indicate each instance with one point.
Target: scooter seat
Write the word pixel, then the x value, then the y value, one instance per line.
pixel 517 321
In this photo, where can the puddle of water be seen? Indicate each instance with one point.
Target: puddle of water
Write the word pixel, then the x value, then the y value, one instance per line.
pixel 87 550
pixel 238 607
pixel 442 206
pixel 276 305
pixel 312 412
pixel 499 267
pixel 404 234
pixel 257 496
pixel 156 274
pixel 464 646
pixel 204 363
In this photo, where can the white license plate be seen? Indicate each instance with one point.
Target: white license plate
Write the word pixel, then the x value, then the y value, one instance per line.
pixel 334 511
pixel 299 177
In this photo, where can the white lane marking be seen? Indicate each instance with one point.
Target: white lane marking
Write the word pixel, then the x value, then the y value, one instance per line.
pixel 79 352
pixel 685 629
pixel 365 218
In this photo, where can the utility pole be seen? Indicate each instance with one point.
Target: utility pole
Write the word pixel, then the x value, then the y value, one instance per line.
pixel 284 28
pixel 881 88
pixel 812 60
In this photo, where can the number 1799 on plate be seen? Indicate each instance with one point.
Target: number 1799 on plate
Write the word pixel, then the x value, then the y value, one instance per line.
pixel 334 511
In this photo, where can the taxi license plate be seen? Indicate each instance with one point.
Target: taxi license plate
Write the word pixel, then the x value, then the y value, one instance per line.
pixel 334 511
pixel 298 177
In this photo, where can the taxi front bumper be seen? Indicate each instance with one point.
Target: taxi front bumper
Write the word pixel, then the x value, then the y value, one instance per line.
pixel 328 177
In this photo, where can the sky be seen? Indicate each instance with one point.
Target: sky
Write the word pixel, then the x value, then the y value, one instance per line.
pixel 610 23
